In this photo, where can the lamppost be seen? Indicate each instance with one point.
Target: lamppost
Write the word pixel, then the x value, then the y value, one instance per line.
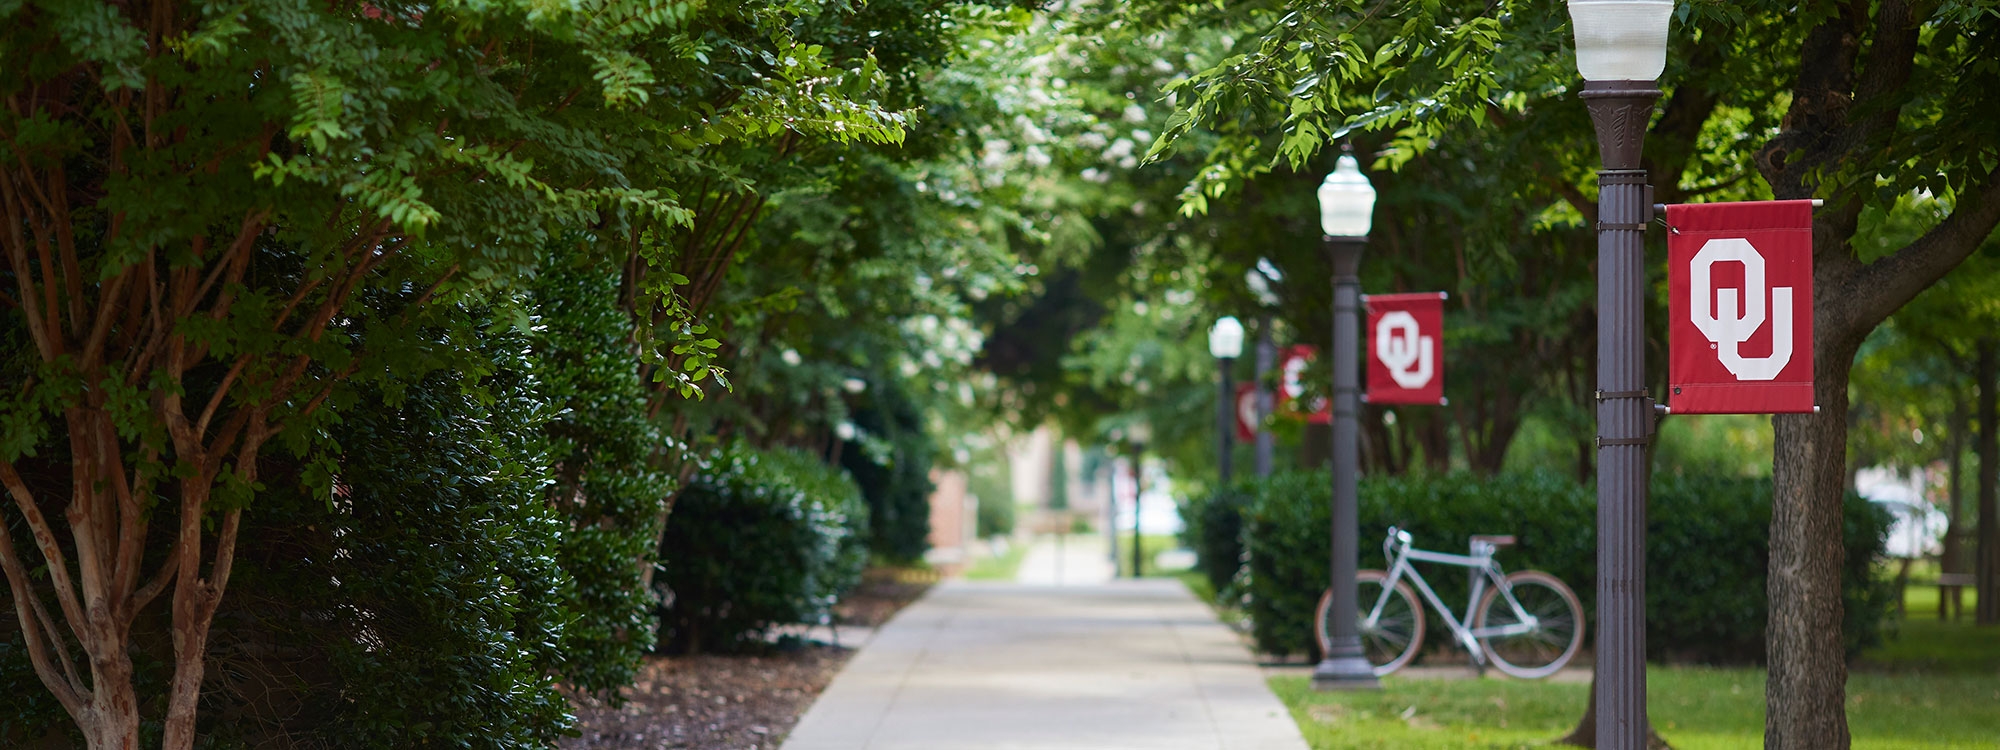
pixel 1621 48
pixel 1225 342
pixel 1346 209
pixel 1139 434
pixel 1259 280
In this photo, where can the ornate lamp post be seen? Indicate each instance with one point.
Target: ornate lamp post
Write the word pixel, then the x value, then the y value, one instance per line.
pixel 1346 209
pixel 1139 434
pixel 1621 48
pixel 1225 342
pixel 1259 280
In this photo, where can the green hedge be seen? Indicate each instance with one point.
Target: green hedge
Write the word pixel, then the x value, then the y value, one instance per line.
pixel 602 454
pixel 758 539
pixel 1212 526
pixel 1705 564
pixel 423 603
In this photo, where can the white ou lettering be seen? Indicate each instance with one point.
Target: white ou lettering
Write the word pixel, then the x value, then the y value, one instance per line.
pixel 1726 325
pixel 1409 356
pixel 1294 384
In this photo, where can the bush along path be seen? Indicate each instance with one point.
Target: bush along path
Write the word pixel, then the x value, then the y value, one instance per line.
pixel 1706 535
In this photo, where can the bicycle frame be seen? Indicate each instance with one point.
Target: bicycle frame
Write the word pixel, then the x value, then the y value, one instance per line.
pixel 1402 556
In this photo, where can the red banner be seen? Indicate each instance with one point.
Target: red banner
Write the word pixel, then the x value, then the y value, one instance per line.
pixel 1292 386
pixel 1247 418
pixel 1406 348
pixel 1740 308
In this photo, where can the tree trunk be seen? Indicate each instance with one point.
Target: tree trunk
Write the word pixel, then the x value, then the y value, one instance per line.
pixel 1987 571
pixel 1952 558
pixel 1806 692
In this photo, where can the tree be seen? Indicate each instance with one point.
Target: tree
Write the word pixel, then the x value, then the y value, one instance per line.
pixel 201 199
pixel 1919 375
pixel 1879 100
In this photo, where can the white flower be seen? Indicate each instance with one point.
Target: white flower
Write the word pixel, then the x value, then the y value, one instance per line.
pixel 1037 157
pixel 791 357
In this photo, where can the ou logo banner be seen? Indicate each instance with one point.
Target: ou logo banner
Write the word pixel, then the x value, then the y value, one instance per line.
pixel 1405 353
pixel 1740 303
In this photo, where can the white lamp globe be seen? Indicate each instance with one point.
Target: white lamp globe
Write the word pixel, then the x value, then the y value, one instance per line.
pixel 1346 200
pixel 1225 340
pixel 1621 40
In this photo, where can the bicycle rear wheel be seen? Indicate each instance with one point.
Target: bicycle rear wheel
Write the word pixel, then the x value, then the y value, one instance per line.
pixel 1395 634
pixel 1555 638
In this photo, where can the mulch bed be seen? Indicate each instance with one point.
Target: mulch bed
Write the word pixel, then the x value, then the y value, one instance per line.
pixel 736 702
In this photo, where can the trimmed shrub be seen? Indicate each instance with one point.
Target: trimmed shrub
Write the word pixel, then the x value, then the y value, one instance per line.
pixel 1286 546
pixel 757 540
pixel 420 600
pixel 1212 526
pixel 1706 556
pixel 608 487
pixel 1707 545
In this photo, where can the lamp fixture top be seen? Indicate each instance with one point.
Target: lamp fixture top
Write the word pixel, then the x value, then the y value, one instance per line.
pixel 1346 200
pixel 1225 340
pixel 1621 40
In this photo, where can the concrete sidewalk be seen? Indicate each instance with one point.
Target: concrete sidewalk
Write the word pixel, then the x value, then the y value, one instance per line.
pixel 1074 560
pixel 1138 665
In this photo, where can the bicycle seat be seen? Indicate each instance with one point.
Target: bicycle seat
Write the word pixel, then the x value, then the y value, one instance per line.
pixel 1497 540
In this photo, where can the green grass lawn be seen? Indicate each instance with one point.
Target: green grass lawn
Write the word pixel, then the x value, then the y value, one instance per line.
pixel 1934 685
pixel 1694 708
pixel 1921 643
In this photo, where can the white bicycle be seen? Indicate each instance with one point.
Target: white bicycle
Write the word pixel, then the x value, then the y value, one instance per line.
pixel 1528 624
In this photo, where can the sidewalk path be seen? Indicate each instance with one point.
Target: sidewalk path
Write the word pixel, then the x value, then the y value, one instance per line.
pixel 1073 560
pixel 1116 666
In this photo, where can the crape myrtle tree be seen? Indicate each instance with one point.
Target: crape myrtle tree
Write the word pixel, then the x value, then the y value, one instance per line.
pixel 1856 103
pixel 199 199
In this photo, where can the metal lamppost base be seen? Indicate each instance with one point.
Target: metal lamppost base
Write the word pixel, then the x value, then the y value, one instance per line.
pixel 1345 671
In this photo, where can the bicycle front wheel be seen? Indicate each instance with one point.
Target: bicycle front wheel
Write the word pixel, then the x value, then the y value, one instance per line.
pixel 1391 633
pixel 1536 651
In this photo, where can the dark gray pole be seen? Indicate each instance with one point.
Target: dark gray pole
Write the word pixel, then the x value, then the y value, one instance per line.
pixel 1620 110
pixel 1267 358
pixel 1111 508
pixel 1345 666
pixel 1138 494
pixel 1225 422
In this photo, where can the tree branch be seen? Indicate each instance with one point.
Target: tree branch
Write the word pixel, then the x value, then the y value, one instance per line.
pixel 45 540
pixel 35 627
pixel 1881 287
pixel 17 257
